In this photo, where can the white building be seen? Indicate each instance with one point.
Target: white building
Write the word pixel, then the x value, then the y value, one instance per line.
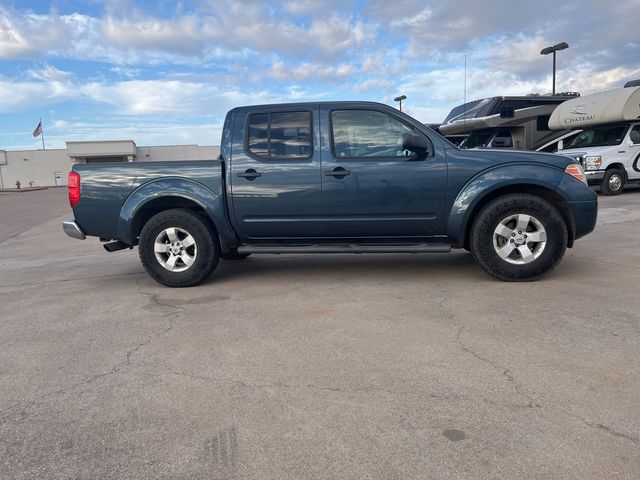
pixel 46 168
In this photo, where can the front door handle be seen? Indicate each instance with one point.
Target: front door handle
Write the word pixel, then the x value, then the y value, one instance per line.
pixel 338 172
pixel 250 174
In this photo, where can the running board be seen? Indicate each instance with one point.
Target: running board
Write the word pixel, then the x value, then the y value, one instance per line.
pixel 347 248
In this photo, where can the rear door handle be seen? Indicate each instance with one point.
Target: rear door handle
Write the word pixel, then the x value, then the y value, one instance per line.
pixel 249 174
pixel 338 172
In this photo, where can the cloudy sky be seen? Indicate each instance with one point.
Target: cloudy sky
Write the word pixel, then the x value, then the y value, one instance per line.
pixel 166 72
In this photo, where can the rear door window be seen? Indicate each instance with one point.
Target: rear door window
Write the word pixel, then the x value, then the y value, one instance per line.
pixel 280 135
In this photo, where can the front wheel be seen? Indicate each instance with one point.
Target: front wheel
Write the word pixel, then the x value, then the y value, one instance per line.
pixel 518 238
pixel 178 248
pixel 613 182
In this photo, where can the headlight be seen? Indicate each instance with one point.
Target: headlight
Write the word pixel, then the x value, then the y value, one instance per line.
pixel 576 171
pixel 592 162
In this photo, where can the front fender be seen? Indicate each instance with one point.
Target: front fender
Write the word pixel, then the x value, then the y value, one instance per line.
pixel 489 181
pixel 210 202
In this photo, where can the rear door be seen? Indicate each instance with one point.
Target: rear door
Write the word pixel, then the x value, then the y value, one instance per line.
pixel 371 186
pixel 275 173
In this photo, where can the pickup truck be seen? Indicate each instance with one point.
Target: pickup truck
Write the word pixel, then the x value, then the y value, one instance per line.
pixel 335 177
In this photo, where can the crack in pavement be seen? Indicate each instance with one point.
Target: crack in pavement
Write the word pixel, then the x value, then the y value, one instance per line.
pixel 154 300
pixel 503 370
pixel 533 403
pixel 282 385
pixel 603 427
pixel 76 279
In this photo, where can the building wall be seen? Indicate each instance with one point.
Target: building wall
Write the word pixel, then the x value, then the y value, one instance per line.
pixel 107 148
pixel 37 166
pixel 176 152
pixel 40 165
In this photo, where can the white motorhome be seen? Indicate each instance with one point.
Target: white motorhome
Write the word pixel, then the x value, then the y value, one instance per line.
pixel 608 145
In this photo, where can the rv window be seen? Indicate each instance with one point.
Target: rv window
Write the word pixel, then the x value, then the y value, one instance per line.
pixel 475 109
pixel 476 140
pixel 634 136
pixel 551 148
pixel 507 111
pixel 602 136
pixel 502 140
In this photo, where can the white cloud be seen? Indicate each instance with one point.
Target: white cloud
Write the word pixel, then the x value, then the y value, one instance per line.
pixel 49 73
pixel 185 38
pixel 131 97
pixel 203 58
pixel 313 71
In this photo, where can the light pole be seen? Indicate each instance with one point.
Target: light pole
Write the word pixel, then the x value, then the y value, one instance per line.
pixel 553 49
pixel 399 99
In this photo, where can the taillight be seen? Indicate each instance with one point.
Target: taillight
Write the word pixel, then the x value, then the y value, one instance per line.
pixel 74 188
pixel 576 171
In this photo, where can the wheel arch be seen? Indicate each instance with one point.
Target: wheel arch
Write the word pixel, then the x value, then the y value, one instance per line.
pixel 541 191
pixel 618 166
pixel 167 193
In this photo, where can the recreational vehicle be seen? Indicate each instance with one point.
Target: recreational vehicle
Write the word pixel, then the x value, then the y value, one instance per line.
pixel 608 145
pixel 519 122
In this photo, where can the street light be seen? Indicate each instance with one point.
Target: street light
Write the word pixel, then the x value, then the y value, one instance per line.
pixel 553 49
pixel 399 99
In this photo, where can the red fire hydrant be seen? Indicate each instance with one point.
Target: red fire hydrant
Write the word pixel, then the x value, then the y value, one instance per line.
pixel 18 184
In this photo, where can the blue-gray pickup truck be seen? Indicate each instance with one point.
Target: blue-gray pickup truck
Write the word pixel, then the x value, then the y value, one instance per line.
pixel 335 177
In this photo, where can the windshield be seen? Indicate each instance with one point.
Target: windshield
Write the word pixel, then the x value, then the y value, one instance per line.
pixel 603 136
pixel 476 139
pixel 475 109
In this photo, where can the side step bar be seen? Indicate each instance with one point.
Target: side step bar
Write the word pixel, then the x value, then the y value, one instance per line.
pixel 347 248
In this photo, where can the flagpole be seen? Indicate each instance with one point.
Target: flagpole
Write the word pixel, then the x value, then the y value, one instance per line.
pixel 42 128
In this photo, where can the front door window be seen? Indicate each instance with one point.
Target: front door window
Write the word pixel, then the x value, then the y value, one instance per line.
pixel 368 134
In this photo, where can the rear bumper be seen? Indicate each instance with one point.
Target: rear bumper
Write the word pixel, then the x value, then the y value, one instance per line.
pixel 72 229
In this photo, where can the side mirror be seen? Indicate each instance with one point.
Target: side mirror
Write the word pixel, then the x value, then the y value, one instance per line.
pixel 561 145
pixel 415 143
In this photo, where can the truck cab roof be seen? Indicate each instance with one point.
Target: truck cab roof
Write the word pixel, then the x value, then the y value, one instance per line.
pixel 290 105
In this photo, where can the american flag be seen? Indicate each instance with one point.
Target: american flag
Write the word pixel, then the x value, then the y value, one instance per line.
pixel 38 131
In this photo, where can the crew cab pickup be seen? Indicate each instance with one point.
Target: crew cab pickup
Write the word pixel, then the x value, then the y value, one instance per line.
pixel 335 177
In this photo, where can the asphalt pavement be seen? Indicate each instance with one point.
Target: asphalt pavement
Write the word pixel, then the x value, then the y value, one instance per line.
pixel 313 367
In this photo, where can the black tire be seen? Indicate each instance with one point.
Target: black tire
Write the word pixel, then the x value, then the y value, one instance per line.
pixel 234 255
pixel 548 255
pixel 205 252
pixel 613 182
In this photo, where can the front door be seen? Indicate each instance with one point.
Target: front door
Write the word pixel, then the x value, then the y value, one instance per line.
pixel 275 174
pixel 373 187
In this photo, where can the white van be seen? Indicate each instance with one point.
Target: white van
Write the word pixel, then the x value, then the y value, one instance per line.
pixel 608 147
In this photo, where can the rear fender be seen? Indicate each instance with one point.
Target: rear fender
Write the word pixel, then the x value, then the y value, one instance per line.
pixel 210 202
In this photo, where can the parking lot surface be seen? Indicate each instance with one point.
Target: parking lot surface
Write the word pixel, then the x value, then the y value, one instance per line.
pixel 329 366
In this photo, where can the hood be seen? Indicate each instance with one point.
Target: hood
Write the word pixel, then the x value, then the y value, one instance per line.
pixel 579 154
pixel 501 155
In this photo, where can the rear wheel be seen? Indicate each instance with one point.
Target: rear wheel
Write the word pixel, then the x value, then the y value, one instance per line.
pixel 178 248
pixel 518 238
pixel 613 182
